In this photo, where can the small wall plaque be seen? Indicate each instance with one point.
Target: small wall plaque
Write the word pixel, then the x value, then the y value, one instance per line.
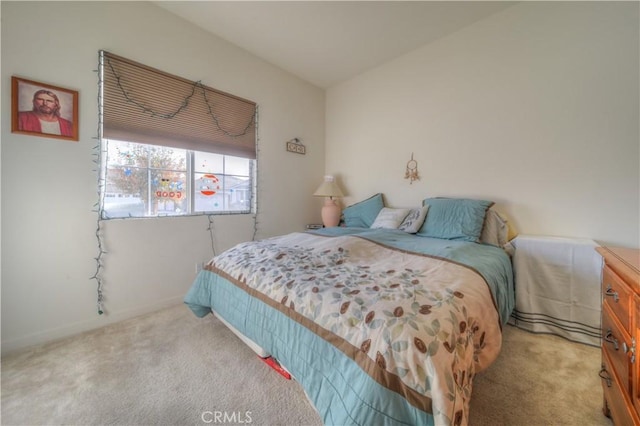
pixel 294 145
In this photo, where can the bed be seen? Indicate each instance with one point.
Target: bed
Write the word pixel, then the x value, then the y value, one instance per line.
pixel 378 325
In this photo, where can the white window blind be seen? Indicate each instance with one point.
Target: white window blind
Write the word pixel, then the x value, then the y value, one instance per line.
pixel 145 105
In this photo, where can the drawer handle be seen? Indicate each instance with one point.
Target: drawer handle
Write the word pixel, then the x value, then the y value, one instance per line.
pixel 632 350
pixel 609 338
pixel 604 374
pixel 609 292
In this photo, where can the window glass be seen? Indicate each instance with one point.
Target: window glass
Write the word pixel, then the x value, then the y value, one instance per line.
pixel 206 162
pixel 148 181
pixel 236 166
pixel 237 192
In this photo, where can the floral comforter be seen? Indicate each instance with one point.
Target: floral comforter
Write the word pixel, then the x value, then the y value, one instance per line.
pixel 418 325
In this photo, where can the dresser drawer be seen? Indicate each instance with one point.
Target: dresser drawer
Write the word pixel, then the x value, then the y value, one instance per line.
pixel 616 343
pixel 617 295
pixel 635 371
pixel 617 400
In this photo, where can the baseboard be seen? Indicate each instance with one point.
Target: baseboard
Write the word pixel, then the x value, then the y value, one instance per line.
pixel 58 333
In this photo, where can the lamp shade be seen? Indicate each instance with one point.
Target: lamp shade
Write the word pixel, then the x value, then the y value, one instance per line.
pixel 328 188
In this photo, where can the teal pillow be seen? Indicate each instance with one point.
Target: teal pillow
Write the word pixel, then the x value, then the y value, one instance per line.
pixel 454 218
pixel 364 213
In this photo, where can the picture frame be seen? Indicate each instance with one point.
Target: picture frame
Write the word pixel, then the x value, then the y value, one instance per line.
pixel 294 145
pixel 39 109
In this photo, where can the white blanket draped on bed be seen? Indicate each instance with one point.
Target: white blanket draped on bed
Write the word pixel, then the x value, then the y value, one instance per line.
pixel 557 283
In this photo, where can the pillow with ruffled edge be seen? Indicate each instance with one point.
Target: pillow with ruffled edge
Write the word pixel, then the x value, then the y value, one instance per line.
pixel 389 218
pixel 455 218
pixel 414 220
pixel 364 213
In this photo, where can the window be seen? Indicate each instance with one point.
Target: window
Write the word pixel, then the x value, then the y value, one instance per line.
pixel 149 181
pixel 171 146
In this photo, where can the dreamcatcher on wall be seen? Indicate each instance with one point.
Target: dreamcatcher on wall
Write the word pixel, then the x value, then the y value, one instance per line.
pixel 412 170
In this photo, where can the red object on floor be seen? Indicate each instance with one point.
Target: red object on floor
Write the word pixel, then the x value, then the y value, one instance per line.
pixel 273 363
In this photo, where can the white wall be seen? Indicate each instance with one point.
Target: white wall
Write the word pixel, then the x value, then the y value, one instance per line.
pixel 49 186
pixel 535 108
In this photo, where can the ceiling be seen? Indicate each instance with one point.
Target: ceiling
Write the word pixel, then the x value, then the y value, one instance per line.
pixel 328 42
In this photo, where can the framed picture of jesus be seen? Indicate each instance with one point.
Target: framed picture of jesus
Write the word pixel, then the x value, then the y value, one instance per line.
pixel 40 109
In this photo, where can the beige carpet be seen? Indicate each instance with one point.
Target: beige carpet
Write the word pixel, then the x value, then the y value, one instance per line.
pixel 171 368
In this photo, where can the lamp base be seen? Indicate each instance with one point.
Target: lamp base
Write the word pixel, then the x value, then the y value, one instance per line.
pixel 330 213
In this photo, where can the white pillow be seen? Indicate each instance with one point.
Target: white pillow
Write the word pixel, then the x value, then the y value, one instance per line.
pixel 495 230
pixel 389 218
pixel 414 220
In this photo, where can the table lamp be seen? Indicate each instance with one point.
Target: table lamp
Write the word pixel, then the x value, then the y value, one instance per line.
pixel 330 210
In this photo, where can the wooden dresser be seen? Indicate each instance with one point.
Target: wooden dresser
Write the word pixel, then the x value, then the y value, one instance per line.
pixel 621 334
